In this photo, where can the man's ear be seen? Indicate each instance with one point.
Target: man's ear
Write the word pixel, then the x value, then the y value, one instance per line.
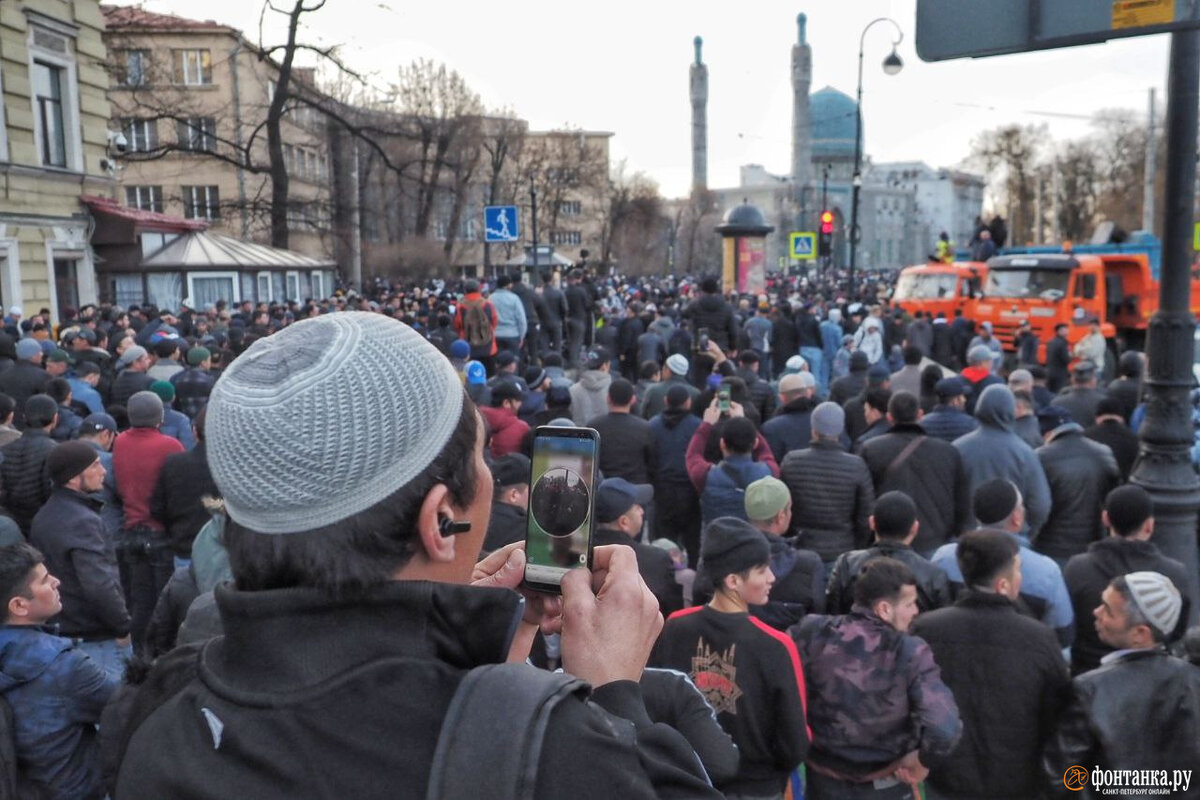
pixel 434 508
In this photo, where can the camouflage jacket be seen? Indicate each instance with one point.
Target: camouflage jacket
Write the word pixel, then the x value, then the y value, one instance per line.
pixel 874 694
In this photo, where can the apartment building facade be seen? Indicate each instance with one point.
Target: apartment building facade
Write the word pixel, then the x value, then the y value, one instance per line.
pixel 53 139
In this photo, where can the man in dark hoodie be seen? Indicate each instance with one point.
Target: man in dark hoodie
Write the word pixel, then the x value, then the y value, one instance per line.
pixel 678 517
pixel 710 312
pixel 799 574
pixel 791 427
pixel 993 450
pixel 1129 516
pixel 851 385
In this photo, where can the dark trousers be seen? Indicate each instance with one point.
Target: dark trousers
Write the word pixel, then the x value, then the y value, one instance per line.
pixel 677 516
pixel 146 565
pixel 575 330
pixel 552 335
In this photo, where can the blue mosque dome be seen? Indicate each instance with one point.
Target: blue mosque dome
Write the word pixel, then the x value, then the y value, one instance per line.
pixel 832 114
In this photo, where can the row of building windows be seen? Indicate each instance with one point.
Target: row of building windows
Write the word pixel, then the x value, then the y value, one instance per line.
pixel 309 217
pixel 199 202
pixel 189 67
pixel 566 237
pixel 196 134
pixel 304 163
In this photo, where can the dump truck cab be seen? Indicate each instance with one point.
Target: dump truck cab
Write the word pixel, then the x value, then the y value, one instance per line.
pixel 939 287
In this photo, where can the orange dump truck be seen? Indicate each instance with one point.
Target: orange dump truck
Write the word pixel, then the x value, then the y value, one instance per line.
pixel 1049 289
pixel 940 288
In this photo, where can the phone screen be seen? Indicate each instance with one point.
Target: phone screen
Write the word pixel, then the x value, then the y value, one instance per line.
pixel 724 396
pixel 559 524
pixel 701 340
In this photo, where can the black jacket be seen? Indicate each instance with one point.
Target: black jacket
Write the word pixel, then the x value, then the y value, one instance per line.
pixel 21 382
pixel 507 525
pixel 832 497
pixel 193 386
pixel 762 396
pixel 791 427
pixel 23 475
pixel 799 585
pixel 712 312
pixel 1010 682
pixel 626 447
pixel 848 386
pixel 1081 402
pixel 1140 711
pixel 344 699
pixel 1058 362
pixel 126 385
pixel 70 534
pixel 1087 575
pixel 1122 441
pixel 1080 473
pixel 932 476
pixel 183 482
pixel 556 304
pixel 933 587
pixel 1127 392
pixel 654 565
pixel 948 423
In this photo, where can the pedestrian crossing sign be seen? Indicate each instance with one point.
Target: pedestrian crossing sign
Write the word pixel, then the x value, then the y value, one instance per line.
pixel 500 224
pixel 803 245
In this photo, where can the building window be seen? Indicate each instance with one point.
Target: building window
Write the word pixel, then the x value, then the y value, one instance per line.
pixel 318 285
pixel 263 287
pixel 198 134
pixel 566 237
pixel 141 134
pixel 569 208
pixel 66 282
pixel 145 198
pixel 48 97
pixel 201 202
pixel 292 282
pixel 137 68
pixel 192 67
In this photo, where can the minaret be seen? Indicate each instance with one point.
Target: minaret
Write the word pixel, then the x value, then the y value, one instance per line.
pixel 699 88
pixel 801 119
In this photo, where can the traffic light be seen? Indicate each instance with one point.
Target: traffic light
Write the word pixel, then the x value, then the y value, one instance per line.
pixel 825 239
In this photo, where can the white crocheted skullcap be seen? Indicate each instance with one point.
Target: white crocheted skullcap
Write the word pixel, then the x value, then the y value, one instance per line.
pixel 326 418
pixel 1157 598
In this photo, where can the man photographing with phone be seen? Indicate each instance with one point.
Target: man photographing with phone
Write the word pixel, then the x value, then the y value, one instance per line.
pixel 350 624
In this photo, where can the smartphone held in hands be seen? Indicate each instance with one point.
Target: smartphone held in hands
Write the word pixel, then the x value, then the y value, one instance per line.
pixel 560 519
pixel 724 399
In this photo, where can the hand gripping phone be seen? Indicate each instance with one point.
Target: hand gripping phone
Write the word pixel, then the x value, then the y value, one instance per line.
pixel 560 518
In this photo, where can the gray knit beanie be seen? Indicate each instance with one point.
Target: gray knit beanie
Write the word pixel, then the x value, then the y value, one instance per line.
pixel 145 410
pixel 327 418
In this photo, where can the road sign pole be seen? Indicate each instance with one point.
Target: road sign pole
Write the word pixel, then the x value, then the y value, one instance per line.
pixel 1164 465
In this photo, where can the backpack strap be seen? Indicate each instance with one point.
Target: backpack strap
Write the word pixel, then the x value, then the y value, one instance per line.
pixel 733 475
pixel 894 467
pixel 494 728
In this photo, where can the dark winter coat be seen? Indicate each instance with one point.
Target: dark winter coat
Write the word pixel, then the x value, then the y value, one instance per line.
pixel 791 427
pixel 848 386
pixel 655 400
pixel 1010 683
pixel 1058 363
pixel 655 566
pixel 948 423
pixel 672 431
pixel 724 493
pixel 933 587
pixel 762 396
pixel 832 498
pixel 57 694
pixel 298 673
pixel 127 384
pixel 1081 402
pixel 1140 711
pixel 932 476
pixel 192 388
pixel 22 382
pixel 1087 576
pixel 507 525
pixel 626 447
pixel 1127 392
pixel 799 587
pixel 183 482
pixel 23 475
pixel 1081 473
pixel 712 312
pixel 1122 441
pixel 70 534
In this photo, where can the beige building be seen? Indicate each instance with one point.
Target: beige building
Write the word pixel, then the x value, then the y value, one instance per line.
pixel 53 135
pixel 191 98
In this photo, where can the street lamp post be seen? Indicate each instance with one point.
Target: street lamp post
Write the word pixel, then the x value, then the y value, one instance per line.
pixel 891 65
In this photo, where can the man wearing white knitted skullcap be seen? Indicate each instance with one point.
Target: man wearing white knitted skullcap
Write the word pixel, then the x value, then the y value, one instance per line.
pixel 351 465
pixel 1140 709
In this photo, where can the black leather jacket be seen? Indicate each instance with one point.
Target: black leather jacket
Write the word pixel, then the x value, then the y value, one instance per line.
pixel 1140 711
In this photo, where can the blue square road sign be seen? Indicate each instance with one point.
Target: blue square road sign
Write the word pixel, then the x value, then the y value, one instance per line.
pixel 803 245
pixel 500 224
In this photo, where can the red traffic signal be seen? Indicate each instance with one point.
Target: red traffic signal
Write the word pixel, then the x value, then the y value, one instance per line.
pixel 826 222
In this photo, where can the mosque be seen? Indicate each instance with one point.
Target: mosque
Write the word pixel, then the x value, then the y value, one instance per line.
pixel 902 206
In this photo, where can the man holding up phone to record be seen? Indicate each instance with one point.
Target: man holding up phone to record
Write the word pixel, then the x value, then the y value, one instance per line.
pixel 350 623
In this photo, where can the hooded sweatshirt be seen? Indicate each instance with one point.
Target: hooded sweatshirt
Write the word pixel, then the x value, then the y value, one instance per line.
pixel 994 450
pixel 589 395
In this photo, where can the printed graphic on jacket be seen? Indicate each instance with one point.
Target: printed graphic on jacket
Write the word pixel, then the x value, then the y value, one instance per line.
pixel 716 677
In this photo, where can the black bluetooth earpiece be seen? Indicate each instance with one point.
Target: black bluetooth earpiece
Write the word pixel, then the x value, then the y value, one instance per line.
pixel 449 527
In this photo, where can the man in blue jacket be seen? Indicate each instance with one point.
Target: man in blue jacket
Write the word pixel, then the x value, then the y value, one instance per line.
pixel 55 690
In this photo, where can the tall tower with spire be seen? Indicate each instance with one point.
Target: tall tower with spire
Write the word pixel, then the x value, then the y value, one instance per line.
pixel 699 92
pixel 801 118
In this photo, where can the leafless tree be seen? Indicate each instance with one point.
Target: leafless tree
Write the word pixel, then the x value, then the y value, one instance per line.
pixel 1010 155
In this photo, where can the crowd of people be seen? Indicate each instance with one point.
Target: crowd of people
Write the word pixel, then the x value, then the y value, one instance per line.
pixel 840 552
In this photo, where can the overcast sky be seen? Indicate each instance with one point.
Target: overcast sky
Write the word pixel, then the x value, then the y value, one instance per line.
pixel 622 66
